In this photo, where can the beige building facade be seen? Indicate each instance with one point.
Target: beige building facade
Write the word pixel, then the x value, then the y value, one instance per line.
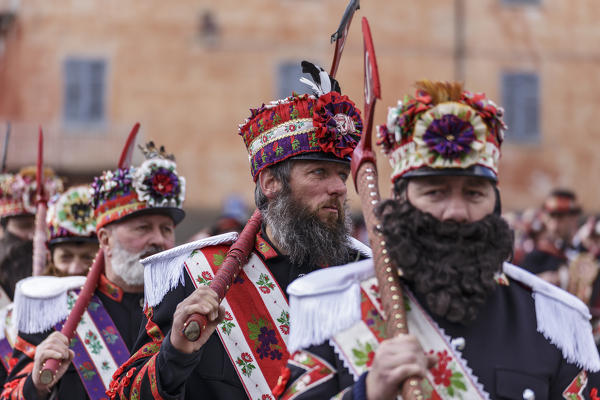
pixel 188 71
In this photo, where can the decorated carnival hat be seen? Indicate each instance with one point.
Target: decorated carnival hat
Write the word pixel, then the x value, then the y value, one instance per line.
pixel 70 217
pixel 562 202
pixel 18 191
pixel 443 130
pixel 324 126
pixel 152 188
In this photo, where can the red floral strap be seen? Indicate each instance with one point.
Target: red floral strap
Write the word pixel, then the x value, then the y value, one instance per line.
pixel 25 347
pixel 118 385
pixel 13 389
pixel 575 389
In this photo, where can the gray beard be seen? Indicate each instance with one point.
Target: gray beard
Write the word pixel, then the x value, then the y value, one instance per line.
pixel 303 237
pixel 127 265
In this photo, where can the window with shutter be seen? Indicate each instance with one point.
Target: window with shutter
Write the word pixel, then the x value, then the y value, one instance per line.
pixel 521 102
pixel 84 91
pixel 521 2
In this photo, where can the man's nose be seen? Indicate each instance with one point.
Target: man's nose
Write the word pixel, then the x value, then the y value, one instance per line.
pixel 158 240
pixel 79 266
pixel 456 210
pixel 336 186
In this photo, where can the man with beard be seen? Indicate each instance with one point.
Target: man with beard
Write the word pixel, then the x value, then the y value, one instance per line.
pixel 136 210
pixel 481 328
pixel 17 217
pixel 300 149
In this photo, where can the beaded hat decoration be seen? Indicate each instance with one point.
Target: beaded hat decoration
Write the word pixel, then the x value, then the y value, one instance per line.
pixel 152 188
pixel 70 217
pixel 326 125
pixel 443 130
pixel 18 191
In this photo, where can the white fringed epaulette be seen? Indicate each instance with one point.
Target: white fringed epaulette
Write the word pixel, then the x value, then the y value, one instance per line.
pixel 326 292
pixel 562 318
pixel 360 247
pixel 41 302
pixel 163 271
pixel 325 302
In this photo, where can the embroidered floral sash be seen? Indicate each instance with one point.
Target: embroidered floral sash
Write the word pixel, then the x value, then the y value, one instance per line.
pixel 8 335
pixel 256 326
pixel 98 346
pixel 450 378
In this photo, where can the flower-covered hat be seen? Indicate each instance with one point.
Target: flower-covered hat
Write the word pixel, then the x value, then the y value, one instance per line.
pixel 443 130
pixel 326 126
pixel 18 191
pixel 152 188
pixel 70 217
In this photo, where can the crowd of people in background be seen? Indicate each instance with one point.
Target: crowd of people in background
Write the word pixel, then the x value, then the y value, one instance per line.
pixel 560 242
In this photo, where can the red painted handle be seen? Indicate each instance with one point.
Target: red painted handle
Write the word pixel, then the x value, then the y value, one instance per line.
pixel 236 258
pixel 51 365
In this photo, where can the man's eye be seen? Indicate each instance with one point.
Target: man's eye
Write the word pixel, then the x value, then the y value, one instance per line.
pixel 475 193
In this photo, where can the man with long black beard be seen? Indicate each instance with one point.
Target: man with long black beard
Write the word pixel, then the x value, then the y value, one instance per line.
pixel 300 150
pixel 311 232
pixel 136 210
pixel 481 328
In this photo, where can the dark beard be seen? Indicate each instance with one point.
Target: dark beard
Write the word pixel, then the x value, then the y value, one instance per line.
pixel 303 237
pixel 449 264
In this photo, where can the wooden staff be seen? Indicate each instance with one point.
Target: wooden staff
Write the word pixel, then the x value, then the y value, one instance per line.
pixel 236 258
pixel 91 282
pixel 364 173
pixel 39 235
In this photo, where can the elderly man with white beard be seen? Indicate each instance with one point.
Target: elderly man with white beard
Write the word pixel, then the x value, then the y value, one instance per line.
pixel 136 211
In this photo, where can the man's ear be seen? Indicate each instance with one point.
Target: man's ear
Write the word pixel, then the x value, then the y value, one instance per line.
pixel 269 185
pixel 104 239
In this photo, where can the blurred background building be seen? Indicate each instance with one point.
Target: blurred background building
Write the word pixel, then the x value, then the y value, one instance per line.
pixel 189 71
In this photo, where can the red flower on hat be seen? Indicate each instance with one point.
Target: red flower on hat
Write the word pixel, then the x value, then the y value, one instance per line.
pixel 162 183
pixel 338 124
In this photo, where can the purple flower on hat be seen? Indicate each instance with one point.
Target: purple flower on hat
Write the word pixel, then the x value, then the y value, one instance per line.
pixel 449 136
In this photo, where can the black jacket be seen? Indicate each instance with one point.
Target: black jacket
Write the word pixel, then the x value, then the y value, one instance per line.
pixel 502 347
